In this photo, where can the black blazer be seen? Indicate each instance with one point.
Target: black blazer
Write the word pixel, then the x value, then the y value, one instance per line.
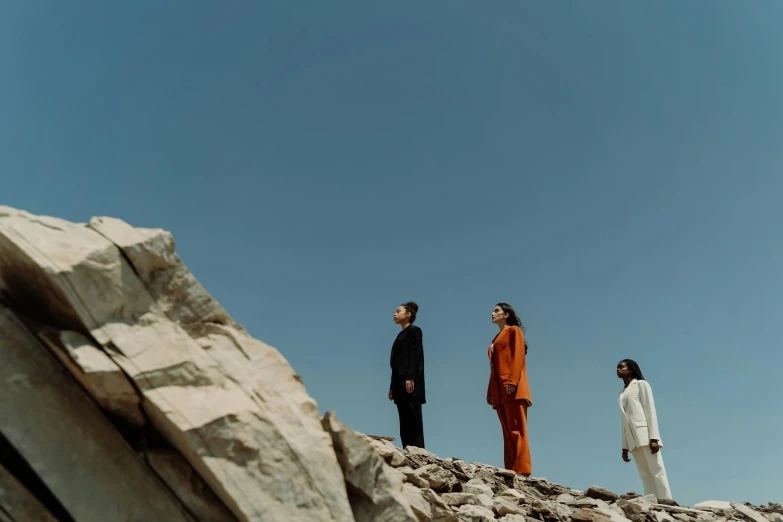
pixel 407 362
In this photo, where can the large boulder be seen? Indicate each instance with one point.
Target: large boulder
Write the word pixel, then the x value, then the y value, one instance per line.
pixel 66 440
pixel 231 405
pixel 376 489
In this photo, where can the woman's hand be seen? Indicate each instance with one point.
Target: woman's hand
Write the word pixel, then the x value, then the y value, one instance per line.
pixel 391 395
pixel 655 446
pixel 626 458
pixel 511 388
pixel 409 386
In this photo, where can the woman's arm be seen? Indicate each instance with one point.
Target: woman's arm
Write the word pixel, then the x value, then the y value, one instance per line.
pixel 516 344
pixel 648 404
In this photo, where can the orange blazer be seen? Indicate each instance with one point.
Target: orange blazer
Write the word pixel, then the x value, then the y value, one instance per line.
pixel 507 366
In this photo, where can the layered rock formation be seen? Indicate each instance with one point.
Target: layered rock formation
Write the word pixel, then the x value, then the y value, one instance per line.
pixel 133 394
pixel 127 393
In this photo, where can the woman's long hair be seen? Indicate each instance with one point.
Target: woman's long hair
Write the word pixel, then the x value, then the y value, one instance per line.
pixel 513 319
pixel 636 372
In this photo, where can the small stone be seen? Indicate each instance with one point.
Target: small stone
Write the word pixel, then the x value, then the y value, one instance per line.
pixel 477 487
pixel 601 493
pixel 398 459
pixel 440 511
pixel 421 508
pixel 678 509
pixel 409 475
pixel 713 505
pixel 458 499
pixel 635 511
pixel 748 513
pixel 663 516
pixel 514 518
pixel 667 502
pixel 566 498
pixel 513 494
pixel 588 503
pixel 502 506
pixel 629 495
pixel 484 501
pixel 773 517
pixel 438 478
pixel 469 470
pixel 586 515
pixel 475 514
pixel 550 511
pixel 614 513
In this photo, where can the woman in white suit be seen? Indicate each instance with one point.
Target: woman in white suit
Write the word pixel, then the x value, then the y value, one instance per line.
pixel 640 430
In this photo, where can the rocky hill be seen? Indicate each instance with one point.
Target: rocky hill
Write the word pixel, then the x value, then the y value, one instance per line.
pixel 128 394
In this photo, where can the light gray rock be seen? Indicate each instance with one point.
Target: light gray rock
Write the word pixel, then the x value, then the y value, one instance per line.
pixel 188 486
pixel 375 489
pixel 714 505
pixel 18 503
pixel 663 516
pixel 410 476
pixel 748 513
pixel 440 511
pixel 677 509
pixel 634 511
pixel 458 499
pixel 99 477
pixel 469 470
pixel 588 503
pixel 484 501
pixel 587 515
pixel 614 512
pixel 231 405
pixel 513 518
pixel 469 513
pixel 503 506
pixel 101 377
pixel 566 498
pixel 513 494
pixel 393 455
pixel 477 487
pixel 438 478
pixel 773 517
pixel 421 508
pixel 550 511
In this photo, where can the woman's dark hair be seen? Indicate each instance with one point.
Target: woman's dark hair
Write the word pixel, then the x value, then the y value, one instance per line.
pixel 513 319
pixel 411 307
pixel 636 372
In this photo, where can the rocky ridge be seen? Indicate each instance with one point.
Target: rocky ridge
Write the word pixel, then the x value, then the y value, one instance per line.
pixel 127 393
pixel 416 485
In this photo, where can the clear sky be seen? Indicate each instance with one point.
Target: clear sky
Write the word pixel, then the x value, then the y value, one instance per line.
pixel 610 168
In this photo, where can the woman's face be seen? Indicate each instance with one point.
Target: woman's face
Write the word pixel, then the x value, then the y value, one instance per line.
pixel 623 371
pixel 401 315
pixel 498 315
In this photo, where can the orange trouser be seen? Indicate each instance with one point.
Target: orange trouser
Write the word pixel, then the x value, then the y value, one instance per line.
pixel 516 448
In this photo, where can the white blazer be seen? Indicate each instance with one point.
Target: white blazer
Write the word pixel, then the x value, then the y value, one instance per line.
pixel 637 416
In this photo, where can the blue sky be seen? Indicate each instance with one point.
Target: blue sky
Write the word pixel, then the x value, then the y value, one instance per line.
pixel 612 169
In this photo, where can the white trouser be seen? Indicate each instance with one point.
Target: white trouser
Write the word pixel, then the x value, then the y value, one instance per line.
pixel 652 472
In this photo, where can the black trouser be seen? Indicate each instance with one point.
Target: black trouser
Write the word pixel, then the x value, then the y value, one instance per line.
pixel 411 425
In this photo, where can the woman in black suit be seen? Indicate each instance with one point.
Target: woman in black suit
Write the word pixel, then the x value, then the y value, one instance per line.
pixel 407 379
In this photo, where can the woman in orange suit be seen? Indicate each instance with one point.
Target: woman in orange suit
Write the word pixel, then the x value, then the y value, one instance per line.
pixel 508 391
